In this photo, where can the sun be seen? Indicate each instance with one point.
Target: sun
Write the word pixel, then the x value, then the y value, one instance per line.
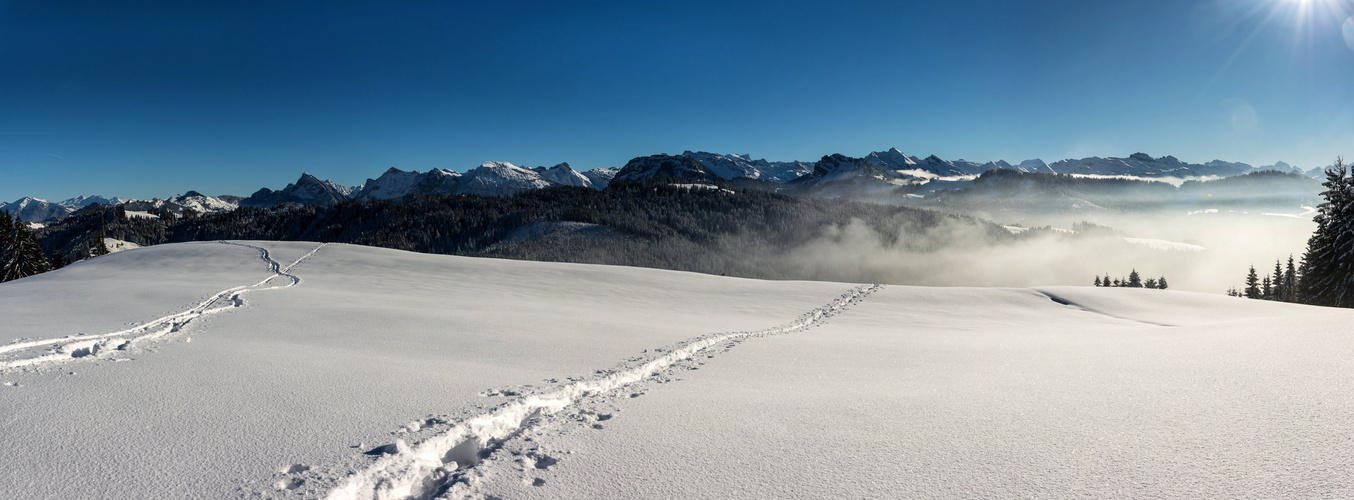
pixel 1305 16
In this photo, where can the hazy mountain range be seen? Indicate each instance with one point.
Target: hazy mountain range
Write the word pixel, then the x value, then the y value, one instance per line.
pixel 831 176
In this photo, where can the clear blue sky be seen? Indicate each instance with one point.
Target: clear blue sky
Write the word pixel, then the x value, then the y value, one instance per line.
pixel 152 99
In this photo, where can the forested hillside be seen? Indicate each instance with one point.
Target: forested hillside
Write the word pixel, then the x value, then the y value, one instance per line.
pixel 650 223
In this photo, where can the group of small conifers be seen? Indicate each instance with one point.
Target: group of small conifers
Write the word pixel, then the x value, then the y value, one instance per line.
pixel 1132 281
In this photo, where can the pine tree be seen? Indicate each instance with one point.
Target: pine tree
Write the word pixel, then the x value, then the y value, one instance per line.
pixel 1161 283
pixel 1290 283
pixel 33 259
pixel 58 261
pixel 1149 283
pixel 1134 280
pixel 1097 281
pixel 1118 283
pixel 22 257
pixel 1252 284
pixel 1266 289
pixel 99 247
pixel 1328 264
pixel 1278 292
pixel 7 254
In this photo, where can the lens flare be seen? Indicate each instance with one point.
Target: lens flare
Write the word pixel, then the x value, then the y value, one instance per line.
pixel 1347 29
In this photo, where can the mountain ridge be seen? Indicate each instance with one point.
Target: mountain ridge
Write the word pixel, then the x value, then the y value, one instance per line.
pixel 876 173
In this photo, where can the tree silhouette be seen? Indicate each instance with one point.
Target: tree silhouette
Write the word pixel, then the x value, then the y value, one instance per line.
pixel 1252 284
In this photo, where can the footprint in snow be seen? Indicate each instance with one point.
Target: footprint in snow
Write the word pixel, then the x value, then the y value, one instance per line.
pixel 294 468
pixel 289 483
pixel 544 462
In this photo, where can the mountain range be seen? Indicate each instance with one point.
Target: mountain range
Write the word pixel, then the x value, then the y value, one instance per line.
pixel 881 172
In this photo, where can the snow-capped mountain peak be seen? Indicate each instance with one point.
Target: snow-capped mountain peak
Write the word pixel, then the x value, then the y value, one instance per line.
pixel 564 175
pixel 500 178
pixel 893 159
pixel 734 166
pixel 34 209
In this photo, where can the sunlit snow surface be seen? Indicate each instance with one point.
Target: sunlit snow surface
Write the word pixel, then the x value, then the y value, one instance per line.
pixel 534 380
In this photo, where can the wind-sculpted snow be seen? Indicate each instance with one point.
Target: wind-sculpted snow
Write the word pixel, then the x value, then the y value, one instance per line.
pixel 105 345
pixel 443 465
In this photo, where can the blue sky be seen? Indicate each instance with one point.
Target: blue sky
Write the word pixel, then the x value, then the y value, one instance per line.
pixel 153 99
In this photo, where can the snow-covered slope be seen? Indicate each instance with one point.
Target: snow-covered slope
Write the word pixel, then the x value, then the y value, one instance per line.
pixel 260 369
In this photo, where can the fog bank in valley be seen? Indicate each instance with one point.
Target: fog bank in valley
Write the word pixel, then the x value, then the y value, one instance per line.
pixel 1161 243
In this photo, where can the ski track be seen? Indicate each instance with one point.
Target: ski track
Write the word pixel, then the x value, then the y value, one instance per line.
pixel 96 346
pixel 444 465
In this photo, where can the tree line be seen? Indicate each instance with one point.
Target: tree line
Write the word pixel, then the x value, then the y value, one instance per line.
pixel 648 223
pixel 1132 281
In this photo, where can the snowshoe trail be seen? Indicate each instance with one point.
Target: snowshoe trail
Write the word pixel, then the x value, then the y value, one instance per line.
pixel 454 456
pixel 100 346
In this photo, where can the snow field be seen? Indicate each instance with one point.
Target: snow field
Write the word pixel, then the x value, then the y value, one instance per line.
pixel 372 373
pixel 371 339
pixel 973 393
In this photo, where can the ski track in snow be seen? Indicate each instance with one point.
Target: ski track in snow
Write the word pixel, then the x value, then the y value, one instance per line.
pixel 453 463
pixel 99 346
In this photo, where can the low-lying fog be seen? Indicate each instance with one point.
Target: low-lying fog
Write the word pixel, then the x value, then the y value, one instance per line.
pixel 1162 243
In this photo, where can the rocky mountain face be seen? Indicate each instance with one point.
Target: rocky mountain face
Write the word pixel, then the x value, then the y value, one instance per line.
pixel 306 190
pixel 732 166
pixel 677 167
pixel 563 175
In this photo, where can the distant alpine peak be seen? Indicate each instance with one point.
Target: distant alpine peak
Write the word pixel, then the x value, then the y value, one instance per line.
pixel 892 159
pixel 500 165
pixel 564 175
